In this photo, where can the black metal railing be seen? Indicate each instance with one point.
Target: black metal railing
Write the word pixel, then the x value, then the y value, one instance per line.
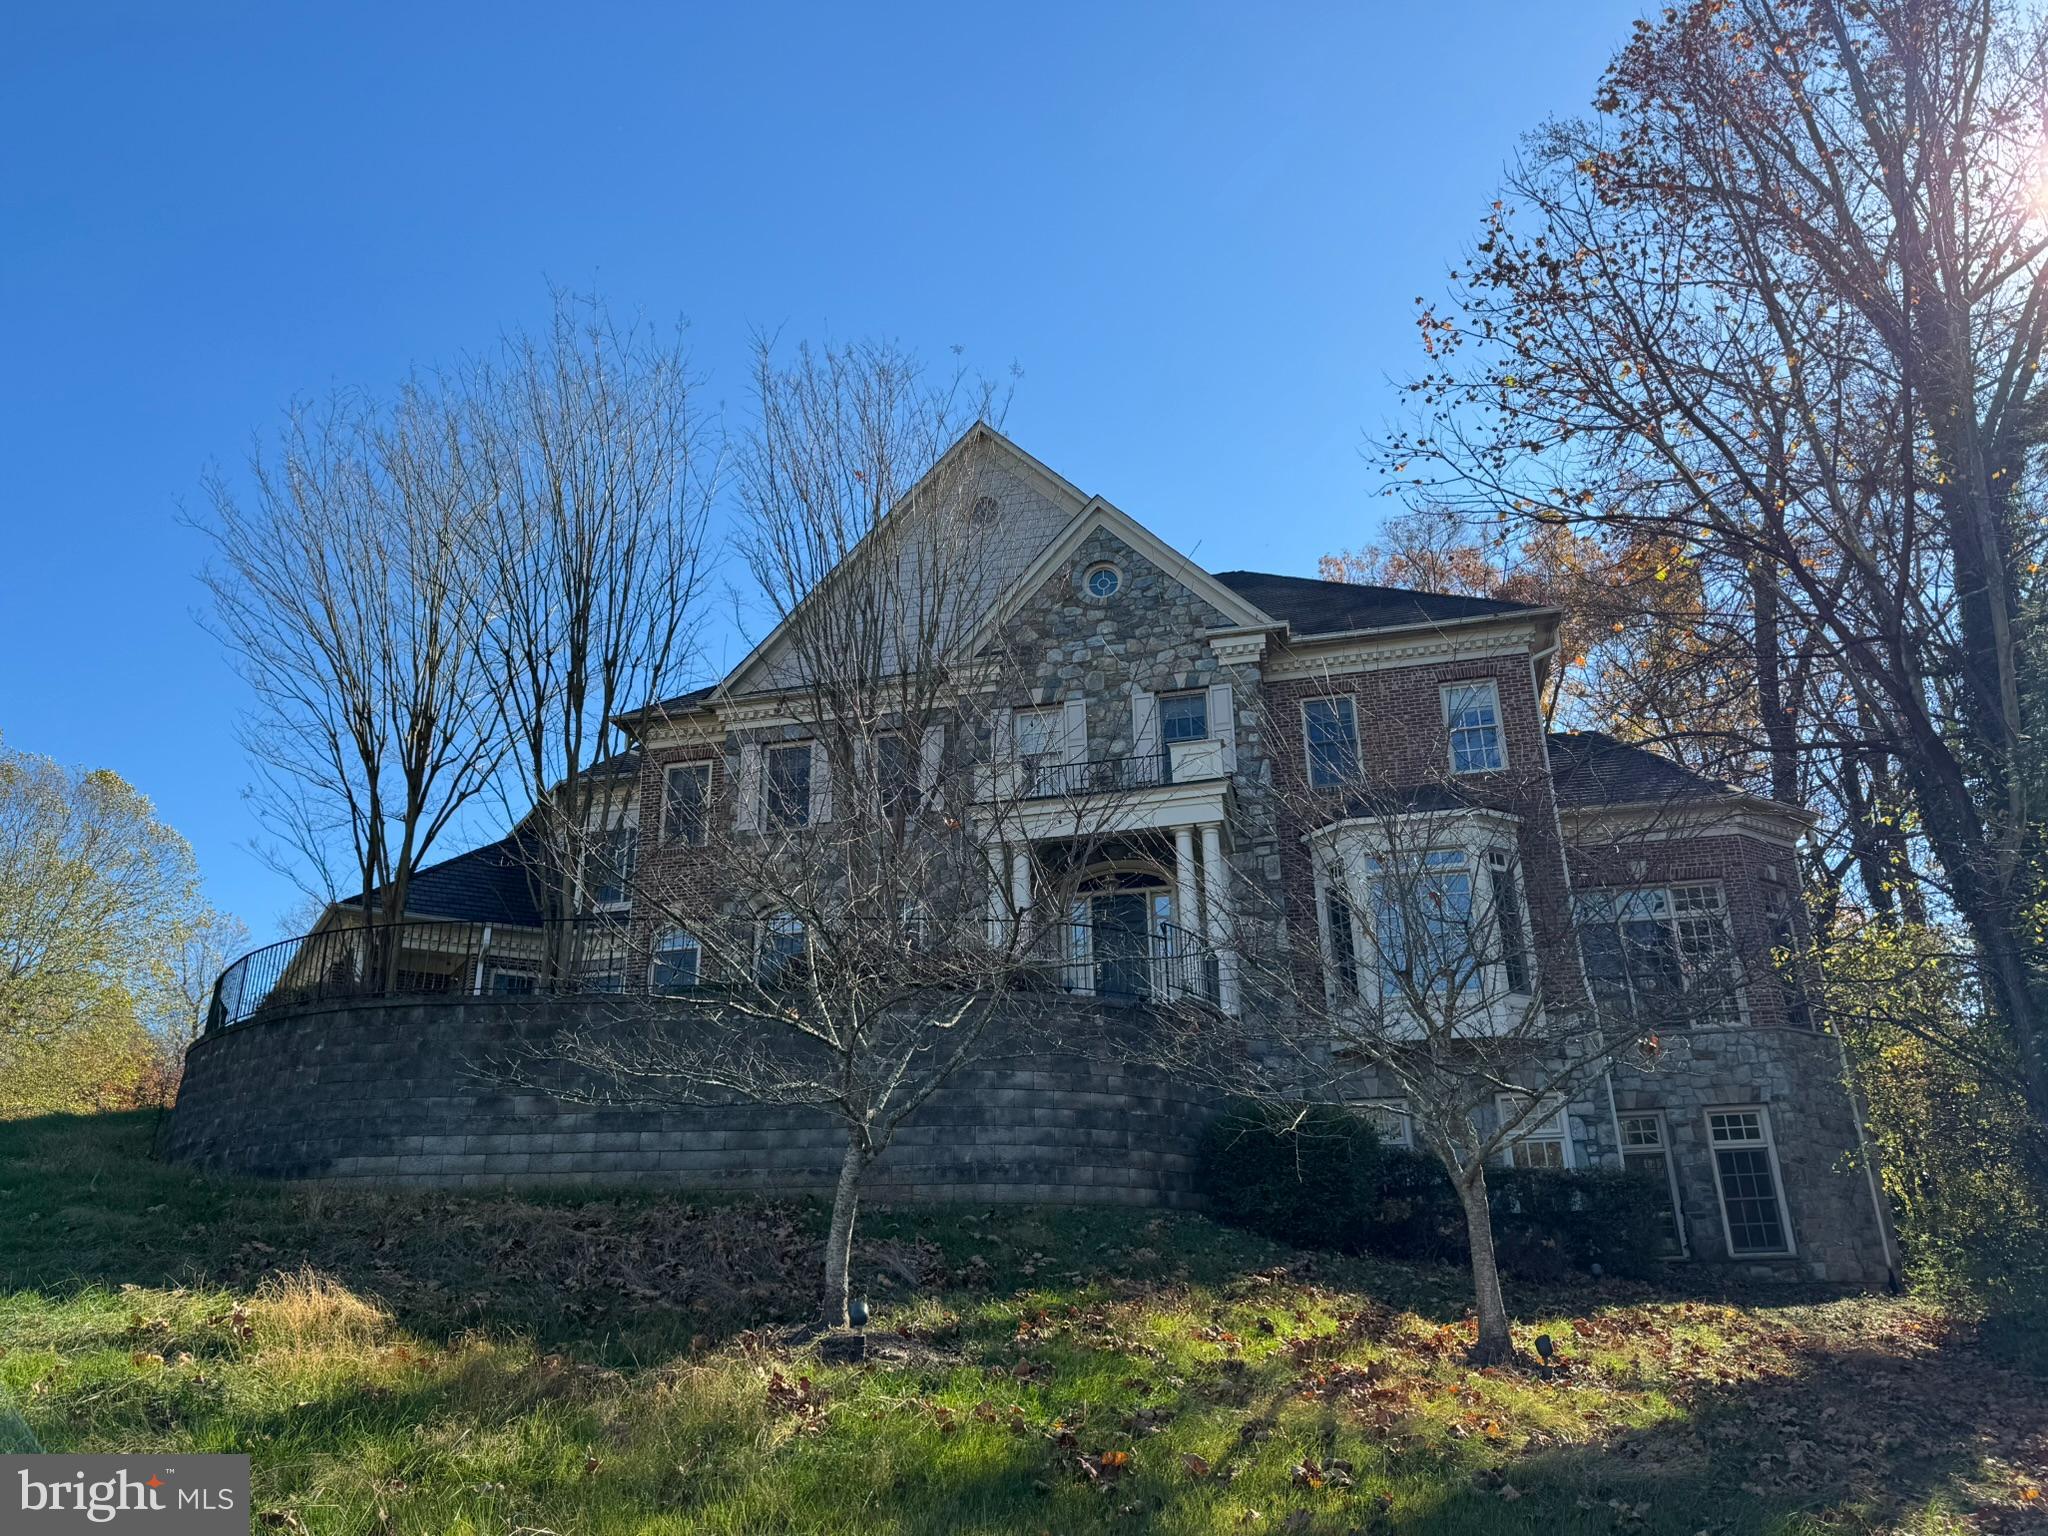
pixel 1097 776
pixel 1118 964
pixel 598 955
pixel 426 958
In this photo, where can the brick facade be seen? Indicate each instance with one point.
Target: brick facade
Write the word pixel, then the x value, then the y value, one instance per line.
pixel 381 1093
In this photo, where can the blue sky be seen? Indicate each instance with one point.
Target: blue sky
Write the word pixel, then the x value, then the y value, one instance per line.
pixel 1198 230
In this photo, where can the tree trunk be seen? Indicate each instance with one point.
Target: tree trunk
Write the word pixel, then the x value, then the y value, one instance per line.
pixel 1496 1345
pixel 839 1241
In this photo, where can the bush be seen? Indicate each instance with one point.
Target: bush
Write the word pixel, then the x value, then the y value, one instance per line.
pixel 1324 1181
pixel 1307 1178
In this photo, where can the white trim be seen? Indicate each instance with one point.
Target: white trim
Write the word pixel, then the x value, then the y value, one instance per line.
pixel 1145 738
pixel 746 808
pixel 1397 1108
pixel 1663 1149
pixel 705 766
pixel 1670 917
pixel 1769 1142
pixel 659 947
pixel 1654 821
pixel 980 433
pixel 1222 712
pixel 1307 748
pixel 1500 730
pixel 1551 1109
pixel 1099 513
pixel 1407 645
pixel 766 815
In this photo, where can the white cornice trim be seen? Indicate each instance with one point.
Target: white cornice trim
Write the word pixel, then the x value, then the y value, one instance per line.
pixel 1650 821
pixel 1410 645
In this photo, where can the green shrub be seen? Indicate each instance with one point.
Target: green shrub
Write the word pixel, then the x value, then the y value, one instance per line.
pixel 1321 1180
pixel 1309 1178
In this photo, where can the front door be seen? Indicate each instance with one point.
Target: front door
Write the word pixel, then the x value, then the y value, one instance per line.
pixel 1123 947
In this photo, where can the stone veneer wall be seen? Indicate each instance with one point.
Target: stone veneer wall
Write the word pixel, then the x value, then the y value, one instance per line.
pixel 388 1092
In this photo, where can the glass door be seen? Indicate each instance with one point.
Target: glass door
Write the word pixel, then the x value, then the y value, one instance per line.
pixel 1123 945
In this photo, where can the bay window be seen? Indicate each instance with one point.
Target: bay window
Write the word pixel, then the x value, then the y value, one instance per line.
pixel 1663 952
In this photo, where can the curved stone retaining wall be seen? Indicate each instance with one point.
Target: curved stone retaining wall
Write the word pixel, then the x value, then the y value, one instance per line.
pixel 385 1091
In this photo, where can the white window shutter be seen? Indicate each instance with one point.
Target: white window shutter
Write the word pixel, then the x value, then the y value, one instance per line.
pixel 821 782
pixel 1144 722
pixel 931 752
pixel 747 803
pixel 863 786
pixel 1223 723
pixel 1075 730
pixel 1002 730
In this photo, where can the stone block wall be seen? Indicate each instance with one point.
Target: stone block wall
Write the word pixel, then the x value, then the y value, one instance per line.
pixel 394 1092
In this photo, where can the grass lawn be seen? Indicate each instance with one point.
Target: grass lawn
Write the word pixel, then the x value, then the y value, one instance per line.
pixel 611 1363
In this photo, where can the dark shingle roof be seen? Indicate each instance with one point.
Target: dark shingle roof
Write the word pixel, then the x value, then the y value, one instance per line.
pixel 1592 768
pixel 681 704
pixel 491 884
pixel 1312 607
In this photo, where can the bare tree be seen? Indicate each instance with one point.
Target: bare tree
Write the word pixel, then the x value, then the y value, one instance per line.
pixel 1441 960
pixel 345 588
pixel 603 473
pixel 1785 306
pixel 854 917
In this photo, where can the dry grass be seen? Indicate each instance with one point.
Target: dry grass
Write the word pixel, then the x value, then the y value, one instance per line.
pixel 436 1366
pixel 305 1312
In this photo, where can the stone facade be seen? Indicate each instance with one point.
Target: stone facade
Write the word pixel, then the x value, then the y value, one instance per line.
pixel 379 1093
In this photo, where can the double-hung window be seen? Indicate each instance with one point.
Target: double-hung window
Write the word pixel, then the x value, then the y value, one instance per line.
pixel 686 793
pixel 677 963
pixel 1646 1150
pixel 1661 953
pixel 1753 1216
pixel 1390 1121
pixel 1332 731
pixel 1422 925
pixel 1340 947
pixel 1510 919
pixel 1040 736
pixel 608 862
pixel 1472 716
pixel 1184 717
pixel 782 950
pixel 786 782
pixel 1541 1141
pixel 896 775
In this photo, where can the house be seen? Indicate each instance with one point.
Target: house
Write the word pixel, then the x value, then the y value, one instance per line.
pixel 1249 731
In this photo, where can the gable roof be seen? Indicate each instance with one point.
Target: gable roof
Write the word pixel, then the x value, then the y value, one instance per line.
pixel 491 884
pixel 1101 513
pixel 1313 607
pixel 1057 489
pixel 1592 768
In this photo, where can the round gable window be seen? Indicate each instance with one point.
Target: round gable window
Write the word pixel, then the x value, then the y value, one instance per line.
pixel 1102 581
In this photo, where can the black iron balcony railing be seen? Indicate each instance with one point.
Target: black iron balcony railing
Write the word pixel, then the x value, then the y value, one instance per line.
pixel 598 956
pixel 425 958
pixel 1103 775
pixel 1118 964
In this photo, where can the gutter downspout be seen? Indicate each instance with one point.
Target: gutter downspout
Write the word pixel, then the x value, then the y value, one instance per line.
pixel 1564 857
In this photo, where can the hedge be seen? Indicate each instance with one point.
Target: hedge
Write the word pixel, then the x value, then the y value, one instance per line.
pixel 1319 1178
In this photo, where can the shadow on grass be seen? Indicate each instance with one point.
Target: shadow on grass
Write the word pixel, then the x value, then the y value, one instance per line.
pixel 630 1272
pixel 1858 1433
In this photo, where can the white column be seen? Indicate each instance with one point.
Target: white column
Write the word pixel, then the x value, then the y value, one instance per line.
pixel 1214 877
pixel 998 856
pixel 1020 883
pixel 1186 916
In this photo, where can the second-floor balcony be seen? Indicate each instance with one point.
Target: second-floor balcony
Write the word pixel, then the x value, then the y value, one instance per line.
pixel 1048 778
